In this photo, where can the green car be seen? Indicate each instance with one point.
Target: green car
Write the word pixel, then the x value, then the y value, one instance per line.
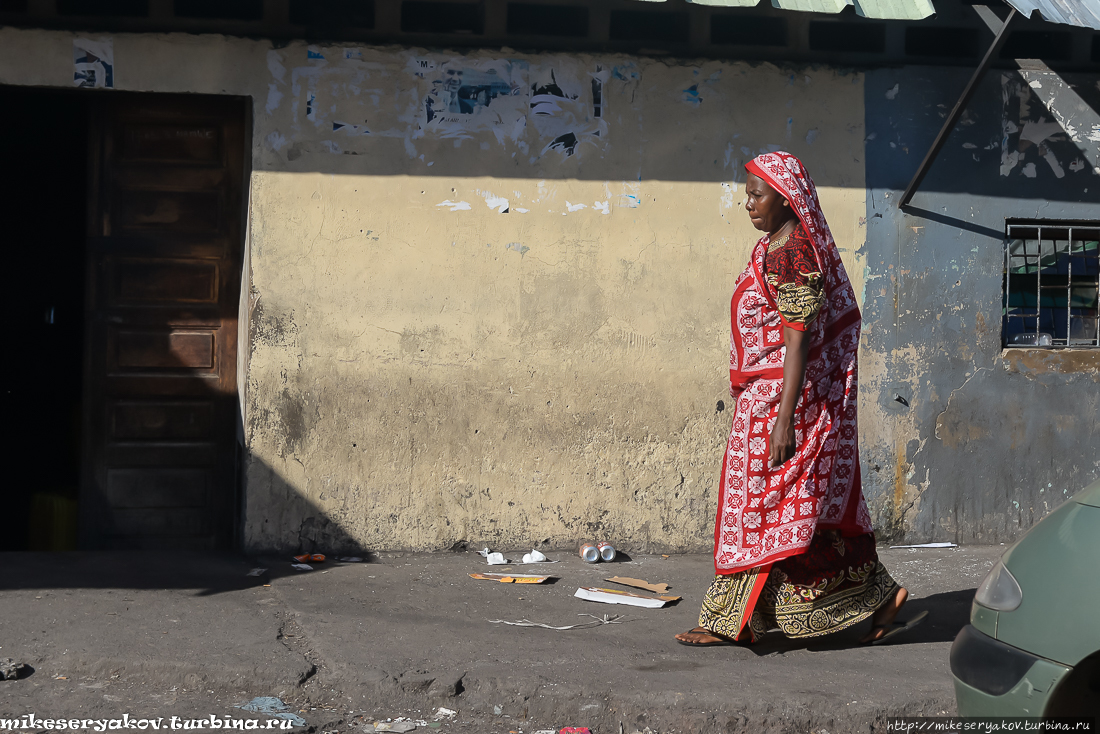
pixel 1032 647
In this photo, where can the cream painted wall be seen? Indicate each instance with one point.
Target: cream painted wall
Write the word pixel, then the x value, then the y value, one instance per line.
pixel 542 357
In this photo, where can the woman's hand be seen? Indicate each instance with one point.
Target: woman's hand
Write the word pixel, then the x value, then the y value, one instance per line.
pixel 781 445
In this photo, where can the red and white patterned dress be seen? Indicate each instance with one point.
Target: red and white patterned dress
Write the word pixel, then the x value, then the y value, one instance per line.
pixel 796 521
pixel 765 514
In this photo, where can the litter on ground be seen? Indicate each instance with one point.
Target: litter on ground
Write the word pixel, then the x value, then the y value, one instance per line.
pixel 272 706
pixel 11 670
pixel 257 572
pixel 614 596
pixel 639 584
pixel 493 559
pixel 535 556
pixel 301 567
pixel 400 726
pixel 597 621
pixel 512 578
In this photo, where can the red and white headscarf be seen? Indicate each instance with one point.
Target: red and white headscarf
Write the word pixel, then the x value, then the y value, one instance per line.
pixel 764 514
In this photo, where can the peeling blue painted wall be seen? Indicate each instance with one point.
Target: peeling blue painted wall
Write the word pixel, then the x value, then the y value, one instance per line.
pixel 961 440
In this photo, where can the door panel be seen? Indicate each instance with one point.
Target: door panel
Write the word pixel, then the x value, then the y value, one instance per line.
pixel 164 250
pixel 160 282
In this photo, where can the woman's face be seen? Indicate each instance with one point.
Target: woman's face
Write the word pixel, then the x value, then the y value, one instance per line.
pixel 767 208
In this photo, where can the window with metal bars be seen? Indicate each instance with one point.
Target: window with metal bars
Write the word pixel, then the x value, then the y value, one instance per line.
pixel 1051 285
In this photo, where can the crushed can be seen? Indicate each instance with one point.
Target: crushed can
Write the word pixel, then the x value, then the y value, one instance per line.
pixel 607 551
pixel 589 553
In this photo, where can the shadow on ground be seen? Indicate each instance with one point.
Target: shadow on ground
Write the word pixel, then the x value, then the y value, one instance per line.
pixel 948 613
pixel 208 572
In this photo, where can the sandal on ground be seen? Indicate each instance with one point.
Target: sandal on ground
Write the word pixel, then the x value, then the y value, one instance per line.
pixel 720 641
pixel 895 628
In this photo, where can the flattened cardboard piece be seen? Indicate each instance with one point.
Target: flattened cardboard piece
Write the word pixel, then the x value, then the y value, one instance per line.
pixel 639 584
pixel 615 596
pixel 511 578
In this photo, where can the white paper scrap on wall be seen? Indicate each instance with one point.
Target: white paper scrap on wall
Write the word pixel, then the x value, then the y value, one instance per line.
pixel 94 63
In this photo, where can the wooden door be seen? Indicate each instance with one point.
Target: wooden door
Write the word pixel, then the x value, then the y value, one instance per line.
pixel 164 251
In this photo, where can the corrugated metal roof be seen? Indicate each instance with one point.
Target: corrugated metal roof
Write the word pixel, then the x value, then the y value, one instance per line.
pixel 1085 13
pixel 881 9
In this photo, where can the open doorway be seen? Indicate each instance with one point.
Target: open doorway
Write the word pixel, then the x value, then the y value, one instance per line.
pixel 43 195
pixel 124 228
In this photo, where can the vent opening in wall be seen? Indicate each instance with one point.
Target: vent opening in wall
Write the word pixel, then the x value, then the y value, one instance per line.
pixel 941 42
pixel 854 37
pixel 420 16
pixel 643 25
pixel 333 13
pixel 563 21
pixel 740 30
pixel 1051 285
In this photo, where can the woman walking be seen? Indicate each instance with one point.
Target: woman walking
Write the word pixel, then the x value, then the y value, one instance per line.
pixel 793 544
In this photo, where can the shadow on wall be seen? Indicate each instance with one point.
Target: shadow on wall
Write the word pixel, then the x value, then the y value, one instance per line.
pixel 1024 135
pixel 292 515
pixel 622 119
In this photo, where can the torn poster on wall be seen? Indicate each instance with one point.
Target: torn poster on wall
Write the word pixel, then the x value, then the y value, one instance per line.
pixel 467 96
pixel 93 63
pixel 567 112
pixel 339 93
pixel 1046 123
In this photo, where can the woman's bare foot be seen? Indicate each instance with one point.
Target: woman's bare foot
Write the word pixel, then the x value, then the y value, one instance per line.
pixel 884 616
pixel 702 637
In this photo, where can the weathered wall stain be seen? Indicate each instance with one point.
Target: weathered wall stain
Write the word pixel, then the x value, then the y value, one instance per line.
pixel 1033 363
pixel 992 439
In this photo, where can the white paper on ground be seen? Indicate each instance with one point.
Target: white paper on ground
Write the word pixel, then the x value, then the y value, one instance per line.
pixel 534 557
pixel 606 597
pixel 927 545
pixel 399 726
pixel 301 567
pixel 496 559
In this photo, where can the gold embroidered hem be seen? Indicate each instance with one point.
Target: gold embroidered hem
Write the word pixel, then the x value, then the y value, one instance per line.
pixel 807 612
pixel 726 601
pixel 838 582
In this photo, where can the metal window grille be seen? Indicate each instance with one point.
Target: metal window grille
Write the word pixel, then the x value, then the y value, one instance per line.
pixel 1051 285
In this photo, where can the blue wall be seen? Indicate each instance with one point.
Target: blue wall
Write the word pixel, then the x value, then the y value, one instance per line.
pixel 990 441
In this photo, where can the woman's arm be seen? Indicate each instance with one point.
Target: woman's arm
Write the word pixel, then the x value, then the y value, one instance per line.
pixel 781 445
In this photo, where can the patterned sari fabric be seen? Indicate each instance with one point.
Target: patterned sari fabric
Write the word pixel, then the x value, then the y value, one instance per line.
pixel 766 515
pixel 836 583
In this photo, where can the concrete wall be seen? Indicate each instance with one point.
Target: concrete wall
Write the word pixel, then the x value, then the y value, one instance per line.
pixel 991 439
pixel 468 330
pixel 500 315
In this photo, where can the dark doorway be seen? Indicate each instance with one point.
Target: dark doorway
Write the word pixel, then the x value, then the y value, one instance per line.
pixel 125 227
pixel 43 194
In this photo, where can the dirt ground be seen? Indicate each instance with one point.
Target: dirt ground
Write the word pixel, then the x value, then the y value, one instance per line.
pixel 401 635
